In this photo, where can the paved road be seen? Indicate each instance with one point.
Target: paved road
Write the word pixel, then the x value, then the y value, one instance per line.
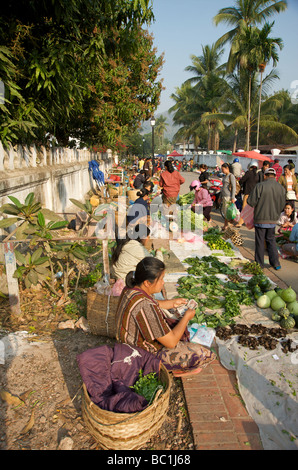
pixel 289 268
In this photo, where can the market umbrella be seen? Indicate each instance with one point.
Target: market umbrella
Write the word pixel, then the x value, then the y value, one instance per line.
pixel 175 154
pixel 253 155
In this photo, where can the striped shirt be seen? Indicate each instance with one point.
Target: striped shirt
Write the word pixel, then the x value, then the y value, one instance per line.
pixel 140 320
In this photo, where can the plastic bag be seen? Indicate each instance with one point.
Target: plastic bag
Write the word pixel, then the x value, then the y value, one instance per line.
pixel 247 215
pixel 232 212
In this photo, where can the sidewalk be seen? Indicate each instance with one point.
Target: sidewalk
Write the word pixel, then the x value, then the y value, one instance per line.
pixel 216 411
pixel 217 414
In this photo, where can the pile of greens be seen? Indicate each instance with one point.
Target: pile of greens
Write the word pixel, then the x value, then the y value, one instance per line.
pixel 147 385
pixel 211 293
pixel 215 241
pixel 186 199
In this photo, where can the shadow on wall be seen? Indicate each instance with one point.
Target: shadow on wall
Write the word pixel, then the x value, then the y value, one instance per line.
pixel 62 194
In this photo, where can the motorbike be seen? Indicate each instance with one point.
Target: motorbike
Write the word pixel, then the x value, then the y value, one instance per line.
pixel 214 191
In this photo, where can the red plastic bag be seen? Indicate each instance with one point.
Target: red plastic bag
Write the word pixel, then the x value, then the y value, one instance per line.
pixel 247 215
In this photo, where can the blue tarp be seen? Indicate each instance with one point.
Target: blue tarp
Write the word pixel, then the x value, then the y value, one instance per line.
pixel 97 174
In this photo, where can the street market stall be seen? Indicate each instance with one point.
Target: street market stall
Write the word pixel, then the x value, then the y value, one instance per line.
pixel 263 354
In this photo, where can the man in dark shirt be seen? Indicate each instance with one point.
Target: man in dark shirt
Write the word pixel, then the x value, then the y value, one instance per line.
pixel 268 200
pixel 140 180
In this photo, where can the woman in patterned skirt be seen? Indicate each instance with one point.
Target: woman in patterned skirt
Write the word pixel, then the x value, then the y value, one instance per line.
pixel 141 321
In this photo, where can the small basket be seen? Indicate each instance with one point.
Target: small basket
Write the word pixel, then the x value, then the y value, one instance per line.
pixel 132 194
pixel 113 191
pixel 127 431
pixel 101 313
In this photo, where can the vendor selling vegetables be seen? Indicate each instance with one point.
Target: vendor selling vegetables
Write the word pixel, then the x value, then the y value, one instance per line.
pixel 202 198
pixel 140 321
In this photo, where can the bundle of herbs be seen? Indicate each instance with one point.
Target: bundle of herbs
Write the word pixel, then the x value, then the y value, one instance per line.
pixel 147 385
pixel 211 293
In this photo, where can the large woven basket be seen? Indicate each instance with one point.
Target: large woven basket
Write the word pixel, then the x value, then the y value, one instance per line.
pixel 127 431
pixel 101 313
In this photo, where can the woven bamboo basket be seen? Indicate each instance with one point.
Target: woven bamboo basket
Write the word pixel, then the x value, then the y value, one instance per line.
pixel 132 194
pixel 127 431
pixel 113 191
pixel 101 313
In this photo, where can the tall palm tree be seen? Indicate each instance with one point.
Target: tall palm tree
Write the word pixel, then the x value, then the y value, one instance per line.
pixel 204 92
pixel 245 54
pixel 160 128
pixel 206 64
pixel 246 13
pixel 243 17
pixel 268 49
pixel 276 118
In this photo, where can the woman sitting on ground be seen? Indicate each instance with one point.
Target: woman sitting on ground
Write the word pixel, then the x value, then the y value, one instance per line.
pixel 288 217
pixel 291 248
pixel 140 210
pixel 140 321
pixel 128 252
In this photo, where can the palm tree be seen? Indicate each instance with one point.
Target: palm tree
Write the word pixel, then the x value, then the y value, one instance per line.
pixel 246 13
pixel 244 17
pixel 201 95
pixel 160 128
pixel 268 49
pixel 206 64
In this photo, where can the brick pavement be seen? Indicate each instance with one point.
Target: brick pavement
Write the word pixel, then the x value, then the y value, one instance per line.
pixel 217 413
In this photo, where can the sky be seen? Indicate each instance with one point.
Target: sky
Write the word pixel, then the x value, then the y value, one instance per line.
pixel 182 27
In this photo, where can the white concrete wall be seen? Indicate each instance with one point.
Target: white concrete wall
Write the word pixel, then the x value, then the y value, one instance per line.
pixel 54 175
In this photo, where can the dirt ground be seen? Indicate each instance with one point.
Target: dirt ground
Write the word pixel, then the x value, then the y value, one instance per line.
pixel 41 390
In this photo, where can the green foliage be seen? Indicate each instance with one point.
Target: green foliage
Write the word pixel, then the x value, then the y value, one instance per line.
pixel 83 75
pixel 147 385
pixel 33 267
pixel 28 217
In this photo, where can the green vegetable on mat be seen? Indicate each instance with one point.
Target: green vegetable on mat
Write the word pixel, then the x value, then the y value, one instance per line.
pixel 263 301
pixel 284 312
pixel 288 323
pixel 293 307
pixel 277 303
pixel 275 316
pixel 288 295
pixel 147 385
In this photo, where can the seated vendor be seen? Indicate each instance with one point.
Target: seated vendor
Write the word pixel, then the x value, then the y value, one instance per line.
pixel 140 211
pixel 291 249
pixel 288 217
pixel 128 252
pixel 139 180
pixel 140 321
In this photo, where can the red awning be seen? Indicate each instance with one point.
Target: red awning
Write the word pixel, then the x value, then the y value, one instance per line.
pixel 175 154
pixel 254 156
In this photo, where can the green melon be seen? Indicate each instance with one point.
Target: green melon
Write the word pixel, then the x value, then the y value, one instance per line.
pixel 277 303
pixel 288 323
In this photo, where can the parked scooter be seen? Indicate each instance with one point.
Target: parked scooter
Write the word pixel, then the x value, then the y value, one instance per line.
pixel 214 191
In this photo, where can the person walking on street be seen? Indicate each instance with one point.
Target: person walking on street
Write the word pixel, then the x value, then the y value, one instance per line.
pixel 228 191
pixel 277 168
pixel 247 183
pixel 236 168
pixel 268 200
pixel 260 173
pixel 204 176
pixel 148 167
pixel 170 182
